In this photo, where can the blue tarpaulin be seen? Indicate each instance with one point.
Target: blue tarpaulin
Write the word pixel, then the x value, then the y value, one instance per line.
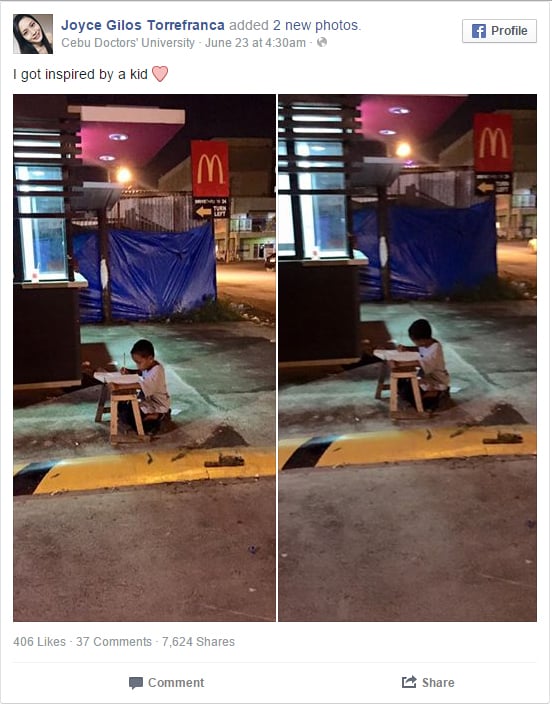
pixel 151 274
pixel 432 252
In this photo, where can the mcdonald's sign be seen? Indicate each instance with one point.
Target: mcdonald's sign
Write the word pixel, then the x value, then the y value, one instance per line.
pixel 492 142
pixel 210 168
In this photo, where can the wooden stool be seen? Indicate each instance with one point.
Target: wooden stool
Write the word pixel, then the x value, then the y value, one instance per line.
pixel 399 371
pixel 120 393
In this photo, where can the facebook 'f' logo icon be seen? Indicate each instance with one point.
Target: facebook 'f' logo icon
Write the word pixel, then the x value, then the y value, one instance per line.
pixel 479 31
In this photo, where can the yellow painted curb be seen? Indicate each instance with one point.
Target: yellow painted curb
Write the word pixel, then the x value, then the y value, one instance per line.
pixel 287 447
pixel 411 444
pixel 151 467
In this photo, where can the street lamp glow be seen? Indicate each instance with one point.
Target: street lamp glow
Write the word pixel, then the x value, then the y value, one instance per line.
pixel 124 175
pixel 403 149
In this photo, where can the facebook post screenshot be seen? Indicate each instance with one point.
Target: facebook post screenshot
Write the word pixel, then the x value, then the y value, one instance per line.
pixel 275 401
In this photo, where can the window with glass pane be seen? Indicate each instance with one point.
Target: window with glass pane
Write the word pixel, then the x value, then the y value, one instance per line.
pixel 38 173
pixel 324 225
pixel 40 204
pixel 286 243
pixel 43 240
pixel 324 216
pixel 311 150
pixel 318 149
pixel 43 244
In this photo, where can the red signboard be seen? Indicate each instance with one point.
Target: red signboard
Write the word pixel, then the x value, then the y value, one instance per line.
pixel 210 175
pixel 492 142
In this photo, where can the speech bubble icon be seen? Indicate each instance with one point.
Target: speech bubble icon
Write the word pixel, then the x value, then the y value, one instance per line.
pixel 135 682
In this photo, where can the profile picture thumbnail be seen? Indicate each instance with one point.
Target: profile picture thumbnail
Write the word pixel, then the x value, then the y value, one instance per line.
pixel 33 34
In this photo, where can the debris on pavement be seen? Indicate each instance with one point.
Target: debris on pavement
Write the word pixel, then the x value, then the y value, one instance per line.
pixel 459 432
pixel 225 461
pixel 504 438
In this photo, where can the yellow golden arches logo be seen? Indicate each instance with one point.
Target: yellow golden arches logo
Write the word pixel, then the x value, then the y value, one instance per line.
pixel 493 134
pixel 210 162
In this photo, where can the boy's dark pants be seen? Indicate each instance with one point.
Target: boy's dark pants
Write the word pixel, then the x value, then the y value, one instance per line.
pixel 430 400
pixel 126 415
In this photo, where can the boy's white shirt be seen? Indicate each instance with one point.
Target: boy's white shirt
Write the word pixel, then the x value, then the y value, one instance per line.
pixel 154 388
pixel 432 360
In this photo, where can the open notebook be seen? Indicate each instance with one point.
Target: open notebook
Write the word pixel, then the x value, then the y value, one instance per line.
pixel 397 356
pixel 116 378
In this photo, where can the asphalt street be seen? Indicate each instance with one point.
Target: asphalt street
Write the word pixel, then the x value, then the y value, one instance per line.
pixel 249 283
pixel 427 541
pixel 182 552
pixel 516 260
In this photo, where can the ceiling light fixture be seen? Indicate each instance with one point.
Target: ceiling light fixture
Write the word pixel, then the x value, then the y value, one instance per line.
pixel 399 110
pixel 387 132
pixel 118 137
pixel 403 149
pixel 106 158
pixel 124 175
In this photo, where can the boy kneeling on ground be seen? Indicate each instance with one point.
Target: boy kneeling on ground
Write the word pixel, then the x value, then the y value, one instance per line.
pixel 433 378
pixel 153 398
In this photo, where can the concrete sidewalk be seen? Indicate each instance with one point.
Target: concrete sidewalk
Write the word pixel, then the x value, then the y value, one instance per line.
pixel 181 552
pixel 490 350
pixel 221 377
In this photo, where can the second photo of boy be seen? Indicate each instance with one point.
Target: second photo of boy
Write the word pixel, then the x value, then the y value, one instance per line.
pixel 407 242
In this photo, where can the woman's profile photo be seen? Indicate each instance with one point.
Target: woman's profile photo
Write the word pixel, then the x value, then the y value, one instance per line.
pixel 32 36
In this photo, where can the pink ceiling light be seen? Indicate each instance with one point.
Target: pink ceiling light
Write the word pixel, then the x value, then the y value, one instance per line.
pixel 133 135
pixel 426 114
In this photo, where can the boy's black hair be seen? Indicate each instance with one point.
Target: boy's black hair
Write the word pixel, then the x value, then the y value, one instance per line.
pixel 420 330
pixel 143 348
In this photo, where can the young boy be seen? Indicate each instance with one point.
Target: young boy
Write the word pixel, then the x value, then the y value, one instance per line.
pixel 433 377
pixel 153 397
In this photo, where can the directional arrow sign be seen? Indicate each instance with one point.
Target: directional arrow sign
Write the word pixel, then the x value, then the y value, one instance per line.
pixel 212 207
pixel 497 182
pixel 485 187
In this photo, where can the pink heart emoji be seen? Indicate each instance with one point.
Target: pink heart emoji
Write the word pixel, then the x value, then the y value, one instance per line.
pixel 160 72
